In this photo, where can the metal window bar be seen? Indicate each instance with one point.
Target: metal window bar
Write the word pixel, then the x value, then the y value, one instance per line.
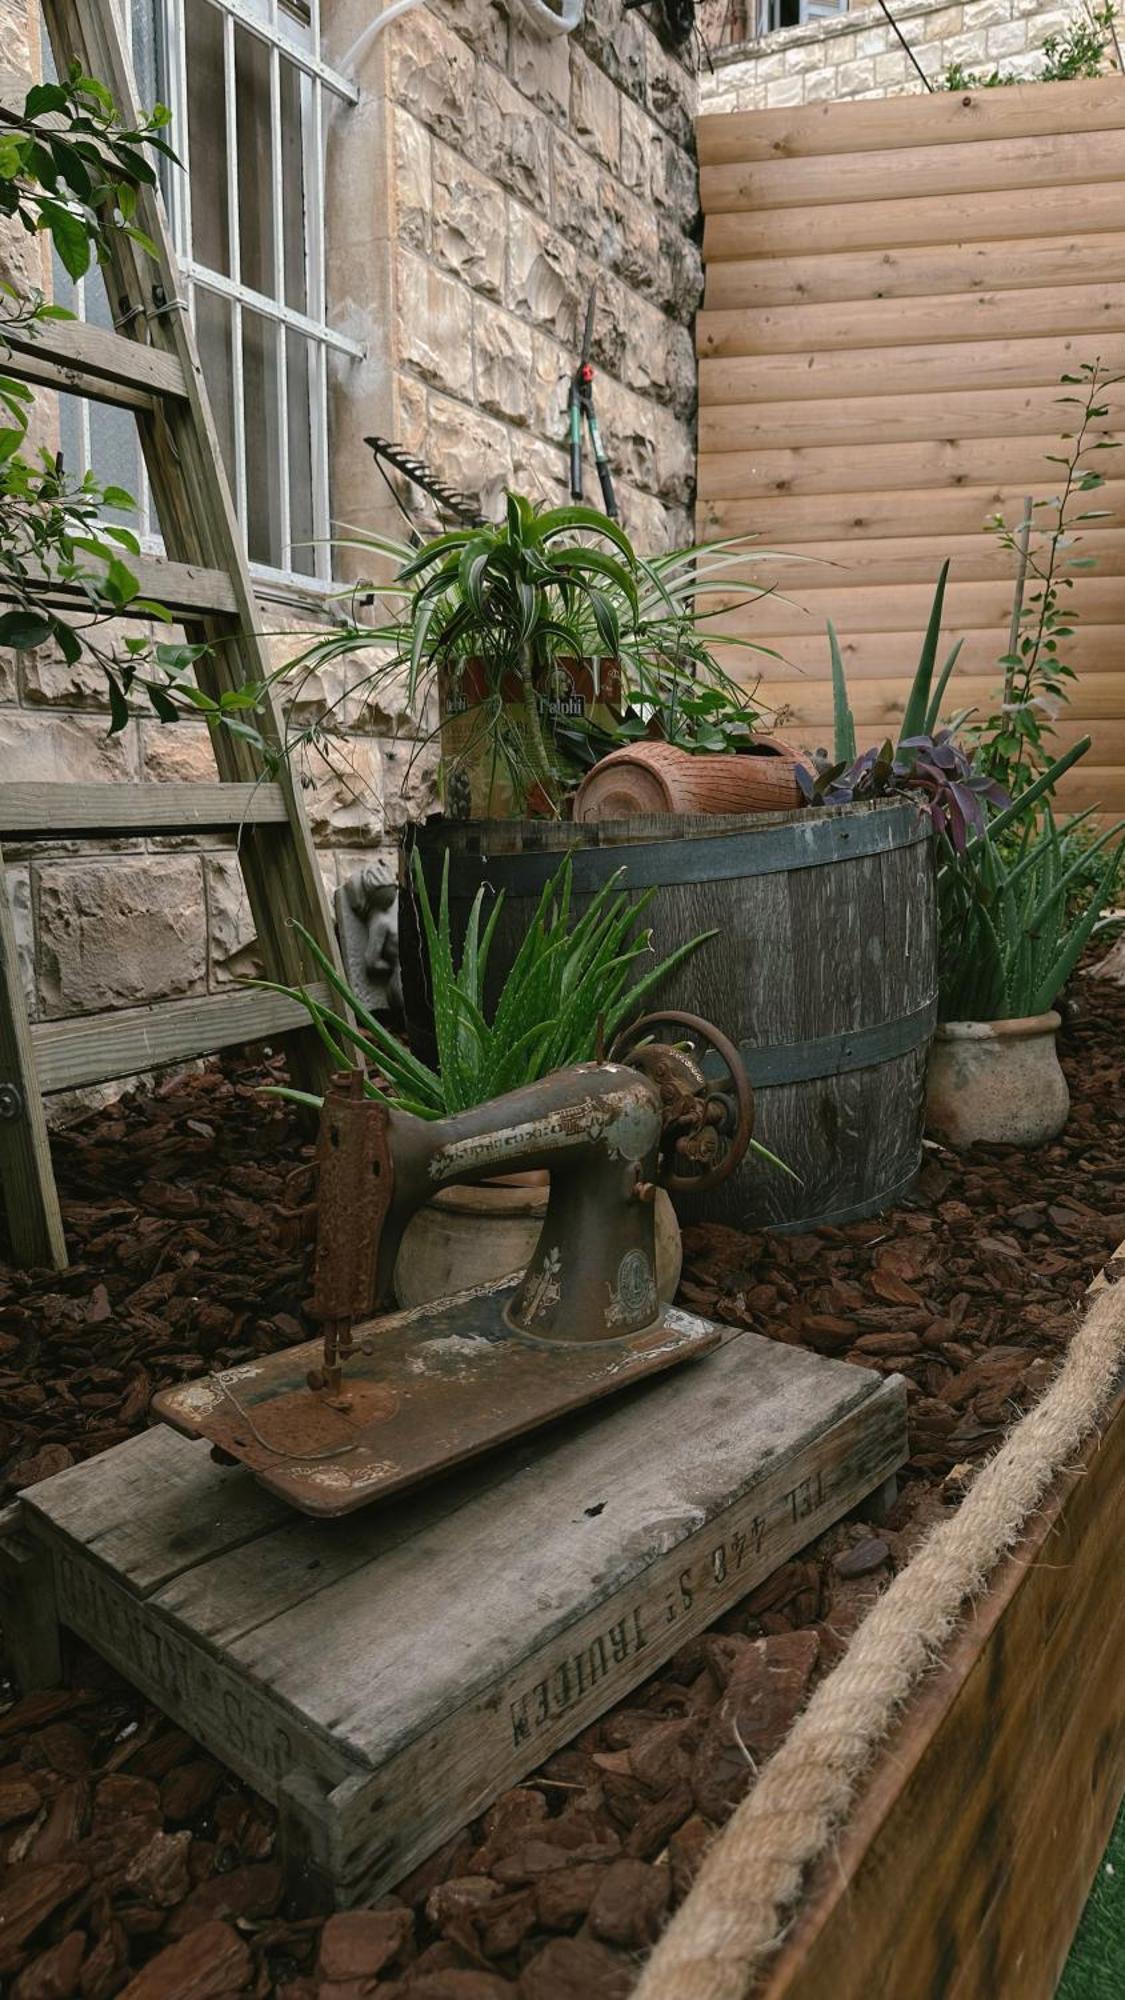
pixel 298 43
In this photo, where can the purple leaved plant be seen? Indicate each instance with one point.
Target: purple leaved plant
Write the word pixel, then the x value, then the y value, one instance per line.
pixel 936 769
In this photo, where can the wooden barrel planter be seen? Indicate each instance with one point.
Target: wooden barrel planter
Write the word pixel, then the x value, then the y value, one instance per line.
pixel 823 973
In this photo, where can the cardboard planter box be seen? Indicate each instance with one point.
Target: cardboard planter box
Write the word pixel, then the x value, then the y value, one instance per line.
pixel 482 730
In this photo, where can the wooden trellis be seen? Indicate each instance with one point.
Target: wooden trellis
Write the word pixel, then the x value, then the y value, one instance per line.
pixel 153 370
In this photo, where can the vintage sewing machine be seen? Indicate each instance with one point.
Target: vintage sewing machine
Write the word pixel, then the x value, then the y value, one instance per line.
pixel 381 1403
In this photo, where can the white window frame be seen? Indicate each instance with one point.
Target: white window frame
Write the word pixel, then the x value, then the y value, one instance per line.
pixel 266 20
pixel 809 10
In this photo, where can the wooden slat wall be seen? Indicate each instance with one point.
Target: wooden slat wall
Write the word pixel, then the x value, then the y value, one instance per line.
pixel 894 289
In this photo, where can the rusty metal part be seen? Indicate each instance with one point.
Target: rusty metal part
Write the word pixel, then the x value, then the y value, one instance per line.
pixel 708 1119
pixel 427 1390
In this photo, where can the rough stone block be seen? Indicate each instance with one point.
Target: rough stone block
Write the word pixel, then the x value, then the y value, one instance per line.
pixel 891 70
pixel 502 348
pixel 345 800
pixel 472 450
pixel 540 68
pixel 620 44
pixel 975 14
pixel 482 23
pixel 432 74
pixel 854 77
pixel 468 223
pixel 573 174
pixel 639 142
pixel 177 752
pixel 117 933
pixel 681 275
pixel 65 749
pixel 409 782
pixel 873 42
pixel 18 882
pixel 627 234
pixel 232 941
pixel 670 94
pixel 675 184
pixel 539 468
pixel 595 109
pixel 434 325
pixel 1012 38
pixel 510 139
pixel 1041 26
pixel 414 194
pixel 789 90
pixel 550 380
pixel 542 275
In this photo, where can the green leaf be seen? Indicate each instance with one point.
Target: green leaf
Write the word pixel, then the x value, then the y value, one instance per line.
pixel 23 630
pixel 70 238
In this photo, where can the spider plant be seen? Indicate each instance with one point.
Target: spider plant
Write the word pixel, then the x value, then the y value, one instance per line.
pixel 494 616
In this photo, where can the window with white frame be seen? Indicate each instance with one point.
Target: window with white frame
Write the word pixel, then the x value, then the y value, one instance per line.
pixel 775 14
pixel 248 90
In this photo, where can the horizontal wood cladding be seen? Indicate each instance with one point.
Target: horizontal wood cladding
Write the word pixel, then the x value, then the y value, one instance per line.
pixel 893 291
pixel 876 125
pixel 931 272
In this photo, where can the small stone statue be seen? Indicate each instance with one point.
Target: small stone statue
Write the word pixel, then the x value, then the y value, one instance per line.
pixel 367 924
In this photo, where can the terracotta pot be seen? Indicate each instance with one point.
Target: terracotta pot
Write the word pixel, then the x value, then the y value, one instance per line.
pixel 996 1080
pixel 477 1235
pixel 648 778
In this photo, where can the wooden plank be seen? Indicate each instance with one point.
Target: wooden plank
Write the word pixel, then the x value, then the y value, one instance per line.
pixel 878 468
pixel 899 369
pixel 944 119
pixel 880 702
pixel 900 607
pixel 966 1865
pixel 877 655
pixel 684 1499
pixel 93 1047
pixel 977 166
pixel 155 1506
pixel 185 588
pixel 536 1704
pixel 799 567
pixel 800 279
pixel 77 358
pixel 27 1179
pixel 1090 310
pixel 70 812
pixel 900 224
pixel 954 416
pixel 779 522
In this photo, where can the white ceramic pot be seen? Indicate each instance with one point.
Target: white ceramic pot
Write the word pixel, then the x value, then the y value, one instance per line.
pixel 996 1080
pixel 477 1235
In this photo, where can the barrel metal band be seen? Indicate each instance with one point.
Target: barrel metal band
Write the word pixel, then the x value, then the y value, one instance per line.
pixel 770 850
pixel 833 1055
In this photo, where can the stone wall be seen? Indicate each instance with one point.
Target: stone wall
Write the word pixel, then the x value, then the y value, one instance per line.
pixel 499 174
pixel 858 54
pixel 485 178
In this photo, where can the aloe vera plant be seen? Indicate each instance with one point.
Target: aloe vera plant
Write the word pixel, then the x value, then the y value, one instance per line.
pixel 1014 920
pixel 572 985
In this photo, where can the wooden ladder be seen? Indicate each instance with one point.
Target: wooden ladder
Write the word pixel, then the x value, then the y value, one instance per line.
pixel 205 581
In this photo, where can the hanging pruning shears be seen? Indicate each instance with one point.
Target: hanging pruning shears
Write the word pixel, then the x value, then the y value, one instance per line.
pixel 580 403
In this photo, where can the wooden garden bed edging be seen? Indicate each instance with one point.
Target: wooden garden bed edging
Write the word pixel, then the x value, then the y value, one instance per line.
pixel 965 1867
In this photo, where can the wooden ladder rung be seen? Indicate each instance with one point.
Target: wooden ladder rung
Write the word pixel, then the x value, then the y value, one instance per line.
pixel 76 812
pixel 83 360
pixel 95 1047
pixel 187 589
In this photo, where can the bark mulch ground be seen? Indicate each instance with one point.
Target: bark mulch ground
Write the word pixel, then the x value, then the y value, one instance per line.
pixel 131 1862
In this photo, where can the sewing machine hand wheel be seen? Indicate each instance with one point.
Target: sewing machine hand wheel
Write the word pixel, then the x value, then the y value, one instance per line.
pixel 708 1118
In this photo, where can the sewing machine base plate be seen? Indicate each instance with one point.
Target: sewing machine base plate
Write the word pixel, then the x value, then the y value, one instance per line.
pixel 441 1384
pixel 383 1677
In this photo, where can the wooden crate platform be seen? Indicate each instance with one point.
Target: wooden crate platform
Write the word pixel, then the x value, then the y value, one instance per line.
pixel 384 1675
